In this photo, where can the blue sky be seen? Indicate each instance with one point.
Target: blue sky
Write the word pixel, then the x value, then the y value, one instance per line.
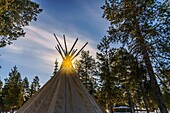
pixel 35 54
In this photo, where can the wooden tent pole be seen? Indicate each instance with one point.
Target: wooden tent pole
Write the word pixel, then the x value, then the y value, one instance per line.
pixel 59 43
pixel 73 46
pixel 59 50
pixel 79 51
pixel 71 53
pixel 65 45
pixel 74 51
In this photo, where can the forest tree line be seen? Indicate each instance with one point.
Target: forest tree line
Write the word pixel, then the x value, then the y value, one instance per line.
pixel 14 16
pixel 114 78
pixel 143 28
pixel 16 91
pixel 117 78
pixel 136 73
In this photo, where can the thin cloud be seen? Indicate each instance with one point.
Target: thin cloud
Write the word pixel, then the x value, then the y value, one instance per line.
pixel 35 53
pixel 15 49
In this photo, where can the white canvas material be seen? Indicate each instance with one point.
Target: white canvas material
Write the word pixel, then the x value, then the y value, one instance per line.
pixel 63 93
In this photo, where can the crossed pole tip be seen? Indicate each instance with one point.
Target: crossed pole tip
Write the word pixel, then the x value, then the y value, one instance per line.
pixel 72 53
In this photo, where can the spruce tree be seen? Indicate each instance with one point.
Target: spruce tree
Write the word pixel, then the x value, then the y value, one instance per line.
pixel 26 89
pixel 56 67
pixel 35 86
pixel 124 68
pixel 12 91
pixel 105 59
pixel 85 67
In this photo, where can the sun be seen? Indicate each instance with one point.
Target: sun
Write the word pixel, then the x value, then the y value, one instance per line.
pixel 67 62
pixel 68 56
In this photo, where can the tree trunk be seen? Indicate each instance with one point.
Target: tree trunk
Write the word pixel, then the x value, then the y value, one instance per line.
pixel 109 87
pixel 130 100
pixel 136 109
pixel 154 84
pixel 144 95
pixel 144 100
pixel 110 107
pixel 109 96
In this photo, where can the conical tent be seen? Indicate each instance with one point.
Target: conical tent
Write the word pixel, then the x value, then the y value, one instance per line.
pixel 64 92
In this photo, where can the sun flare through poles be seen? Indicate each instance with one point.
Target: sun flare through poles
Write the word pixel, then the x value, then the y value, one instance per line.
pixel 64 92
pixel 66 55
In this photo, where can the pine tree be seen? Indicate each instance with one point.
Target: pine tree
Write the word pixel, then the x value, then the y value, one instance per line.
pixel 124 68
pixel 26 89
pixel 105 59
pixel 35 86
pixel 14 15
pixel 141 86
pixel 56 67
pixel 85 67
pixel 143 26
pixel 12 91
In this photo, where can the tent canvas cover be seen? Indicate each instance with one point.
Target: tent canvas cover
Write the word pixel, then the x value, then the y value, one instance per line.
pixel 64 92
